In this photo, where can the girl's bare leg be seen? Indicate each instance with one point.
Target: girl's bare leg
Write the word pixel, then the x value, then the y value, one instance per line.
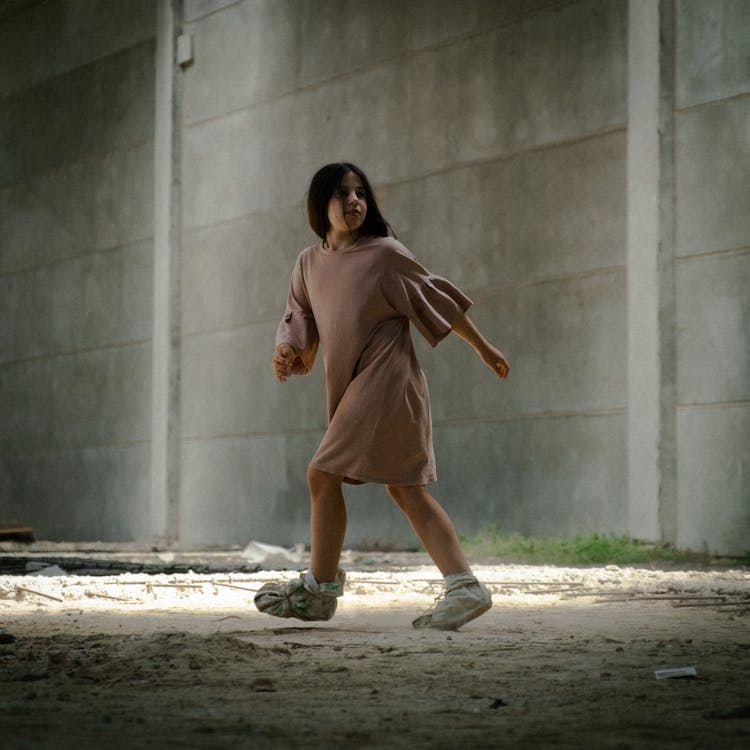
pixel 432 525
pixel 327 523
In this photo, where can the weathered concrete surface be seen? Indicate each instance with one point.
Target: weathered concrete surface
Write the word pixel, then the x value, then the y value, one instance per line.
pixel 101 107
pixel 713 329
pixel 713 57
pixel 714 481
pixel 76 175
pixel 91 300
pixel 713 150
pixel 52 38
pixel 463 176
pixel 496 134
pixel 95 204
pixel 712 273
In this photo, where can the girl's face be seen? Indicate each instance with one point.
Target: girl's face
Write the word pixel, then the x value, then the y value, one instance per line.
pixel 347 207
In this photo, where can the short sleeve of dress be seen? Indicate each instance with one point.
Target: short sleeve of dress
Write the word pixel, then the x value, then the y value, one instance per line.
pixel 433 304
pixel 297 326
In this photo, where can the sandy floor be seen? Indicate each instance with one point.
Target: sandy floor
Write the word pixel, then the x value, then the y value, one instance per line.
pixel 565 659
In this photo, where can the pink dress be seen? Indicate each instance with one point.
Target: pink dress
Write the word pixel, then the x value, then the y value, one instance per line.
pixel 356 304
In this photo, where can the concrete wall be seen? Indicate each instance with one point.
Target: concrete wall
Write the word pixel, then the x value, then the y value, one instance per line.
pixel 712 273
pixel 496 133
pixel 473 122
pixel 76 124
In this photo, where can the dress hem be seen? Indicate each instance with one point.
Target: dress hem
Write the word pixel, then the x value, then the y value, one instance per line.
pixel 355 479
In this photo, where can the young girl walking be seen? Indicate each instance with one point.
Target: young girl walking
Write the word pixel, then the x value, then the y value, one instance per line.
pixel 354 294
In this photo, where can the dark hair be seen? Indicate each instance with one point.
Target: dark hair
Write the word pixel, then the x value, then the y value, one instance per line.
pixel 323 185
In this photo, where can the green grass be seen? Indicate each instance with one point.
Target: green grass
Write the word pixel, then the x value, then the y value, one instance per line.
pixel 589 549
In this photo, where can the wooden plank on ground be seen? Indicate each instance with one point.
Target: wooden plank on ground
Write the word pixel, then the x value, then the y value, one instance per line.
pixel 16 534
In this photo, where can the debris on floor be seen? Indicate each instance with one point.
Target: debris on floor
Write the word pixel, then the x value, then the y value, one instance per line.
pixel 15 532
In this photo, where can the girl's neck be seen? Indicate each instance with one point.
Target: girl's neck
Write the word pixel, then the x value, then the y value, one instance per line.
pixel 339 240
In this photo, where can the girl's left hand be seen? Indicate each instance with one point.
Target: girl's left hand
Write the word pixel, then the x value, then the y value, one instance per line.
pixel 495 360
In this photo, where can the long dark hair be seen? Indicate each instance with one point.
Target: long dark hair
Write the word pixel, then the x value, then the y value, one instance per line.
pixel 323 185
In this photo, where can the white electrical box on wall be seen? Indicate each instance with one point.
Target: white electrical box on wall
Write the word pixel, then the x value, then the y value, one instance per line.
pixel 185 49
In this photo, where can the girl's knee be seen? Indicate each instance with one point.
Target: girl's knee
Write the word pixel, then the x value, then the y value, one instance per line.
pixel 395 492
pixel 321 481
pixel 404 496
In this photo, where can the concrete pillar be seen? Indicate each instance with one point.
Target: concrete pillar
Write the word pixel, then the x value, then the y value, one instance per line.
pixel 165 458
pixel 650 195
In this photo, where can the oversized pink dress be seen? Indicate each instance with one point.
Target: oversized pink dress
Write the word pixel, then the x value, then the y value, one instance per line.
pixel 356 303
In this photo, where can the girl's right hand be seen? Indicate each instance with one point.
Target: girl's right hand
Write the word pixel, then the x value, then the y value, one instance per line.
pixel 282 361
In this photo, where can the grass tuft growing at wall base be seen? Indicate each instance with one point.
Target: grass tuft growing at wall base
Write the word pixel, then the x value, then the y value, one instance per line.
pixel 583 549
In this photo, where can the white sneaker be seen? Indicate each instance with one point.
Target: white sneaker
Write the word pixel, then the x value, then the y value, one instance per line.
pixel 457 606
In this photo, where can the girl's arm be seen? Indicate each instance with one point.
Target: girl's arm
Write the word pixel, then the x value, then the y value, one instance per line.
pixel 297 334
pixel 492 357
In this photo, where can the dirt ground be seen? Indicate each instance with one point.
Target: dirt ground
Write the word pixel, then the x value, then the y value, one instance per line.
pixel 565 659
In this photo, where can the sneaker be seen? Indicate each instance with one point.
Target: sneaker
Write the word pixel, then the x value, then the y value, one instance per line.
pixel 457 606
pixel 299 599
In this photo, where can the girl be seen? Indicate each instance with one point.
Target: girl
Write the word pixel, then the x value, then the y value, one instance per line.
pixel 354 294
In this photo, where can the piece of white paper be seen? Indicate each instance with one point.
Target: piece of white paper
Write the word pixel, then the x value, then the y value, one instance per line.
pixel 672 672
pixel 272 557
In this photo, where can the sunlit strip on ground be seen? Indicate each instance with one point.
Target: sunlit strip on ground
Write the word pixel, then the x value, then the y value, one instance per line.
pixel 511 585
